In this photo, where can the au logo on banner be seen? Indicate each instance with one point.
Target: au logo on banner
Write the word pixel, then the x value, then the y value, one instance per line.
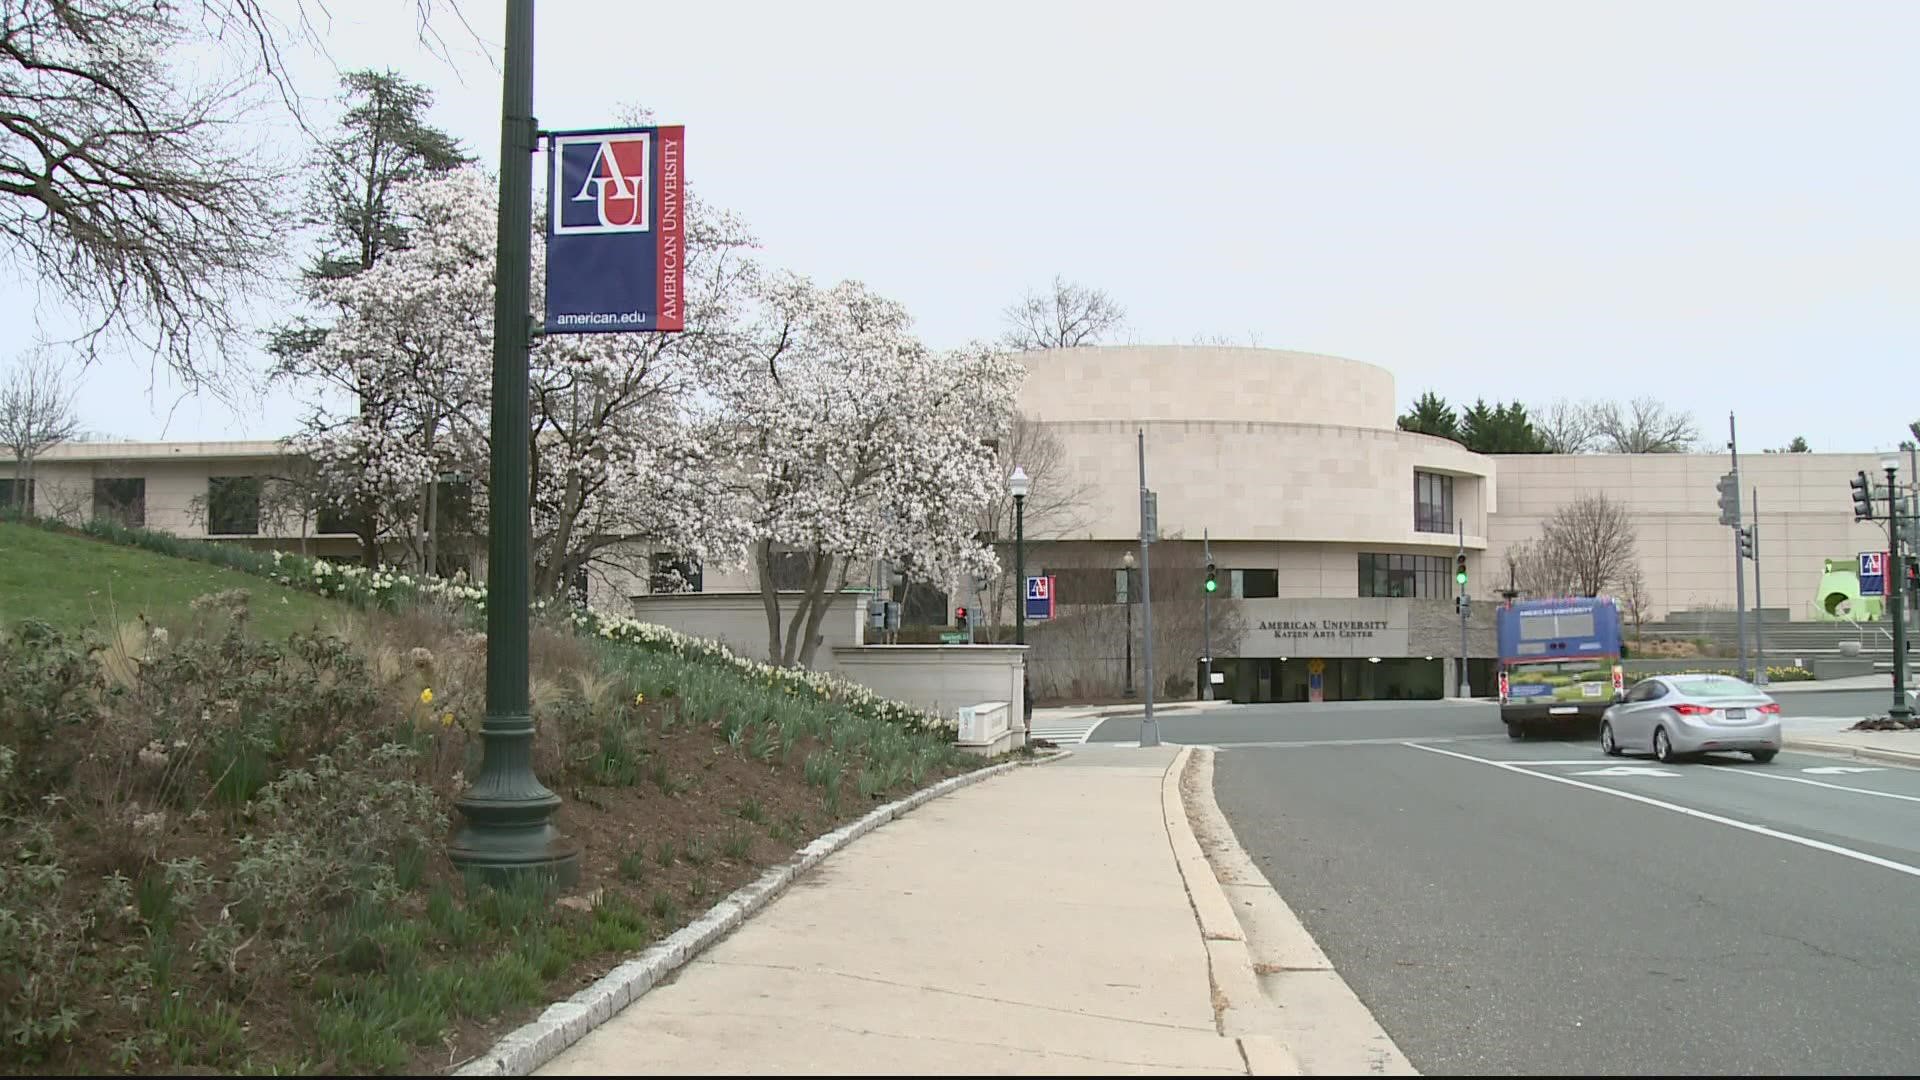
pixel 1040 597
pixel 616 234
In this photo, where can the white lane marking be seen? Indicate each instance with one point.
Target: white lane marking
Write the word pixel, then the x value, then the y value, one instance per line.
pixel 1627 770
pixel 1824 784
pixel 1688 811
pixel 1840 770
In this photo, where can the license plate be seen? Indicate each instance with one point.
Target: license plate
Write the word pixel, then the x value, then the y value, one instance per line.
pixel 1560 710
pixel 1591 689
pixel 1736 714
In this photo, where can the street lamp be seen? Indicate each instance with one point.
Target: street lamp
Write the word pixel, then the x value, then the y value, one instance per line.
pixel 1896 592
pixel 507 830
pixel 1019 483
pixel 1127 563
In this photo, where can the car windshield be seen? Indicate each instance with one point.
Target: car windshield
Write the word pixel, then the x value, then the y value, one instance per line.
pixel 1716 686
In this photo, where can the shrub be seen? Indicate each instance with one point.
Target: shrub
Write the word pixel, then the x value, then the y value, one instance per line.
pixel 48 690
pixel 334 831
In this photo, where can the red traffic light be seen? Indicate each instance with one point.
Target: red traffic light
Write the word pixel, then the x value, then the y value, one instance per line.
pixel 960 614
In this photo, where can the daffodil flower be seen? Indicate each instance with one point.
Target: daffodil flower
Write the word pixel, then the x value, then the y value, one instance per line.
pixel 426 696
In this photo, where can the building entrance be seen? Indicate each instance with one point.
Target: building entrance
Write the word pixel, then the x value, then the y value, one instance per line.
pixel 1267 679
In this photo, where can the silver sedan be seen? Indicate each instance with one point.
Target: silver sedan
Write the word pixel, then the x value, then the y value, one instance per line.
pixel 1673 715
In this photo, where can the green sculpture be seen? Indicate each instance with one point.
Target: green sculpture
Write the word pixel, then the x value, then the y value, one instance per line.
pixel 1840 597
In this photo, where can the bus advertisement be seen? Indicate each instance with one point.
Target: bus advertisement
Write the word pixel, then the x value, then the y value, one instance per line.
pixel 1559 662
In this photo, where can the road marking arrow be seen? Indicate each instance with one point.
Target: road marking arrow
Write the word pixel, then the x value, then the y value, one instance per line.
pixel 1627 770
pixel 1839 770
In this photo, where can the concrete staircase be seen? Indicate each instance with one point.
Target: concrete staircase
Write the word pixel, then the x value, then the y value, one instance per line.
pixel 1786 640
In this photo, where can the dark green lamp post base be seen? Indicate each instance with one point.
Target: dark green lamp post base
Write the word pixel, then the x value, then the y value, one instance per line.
pixel 508 832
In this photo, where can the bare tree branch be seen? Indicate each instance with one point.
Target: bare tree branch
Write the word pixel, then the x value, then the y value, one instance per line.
pixel 1645 426
pixel 1568 427
pixel 36 413
pixel 1068 314
pixel 1585 548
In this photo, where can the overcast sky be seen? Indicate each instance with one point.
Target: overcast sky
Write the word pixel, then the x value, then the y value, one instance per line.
pixel 1712 203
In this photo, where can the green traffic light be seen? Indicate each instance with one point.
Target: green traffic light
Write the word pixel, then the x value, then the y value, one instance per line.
pixel 1461 577
pixel 1212 585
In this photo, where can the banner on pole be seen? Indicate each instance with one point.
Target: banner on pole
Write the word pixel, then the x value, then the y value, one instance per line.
pixel 1039 598
pixel 1873 573
pixel 616 230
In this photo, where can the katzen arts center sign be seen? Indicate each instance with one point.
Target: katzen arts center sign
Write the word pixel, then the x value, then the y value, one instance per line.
pixel 616 230
pixel 1322 629
pixel 1324 626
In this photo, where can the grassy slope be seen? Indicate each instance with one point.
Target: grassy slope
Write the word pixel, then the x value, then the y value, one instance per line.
pixel 76 583
pixel 670 813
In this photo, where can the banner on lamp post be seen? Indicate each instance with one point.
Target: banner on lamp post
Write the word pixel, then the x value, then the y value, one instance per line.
pixel 616 230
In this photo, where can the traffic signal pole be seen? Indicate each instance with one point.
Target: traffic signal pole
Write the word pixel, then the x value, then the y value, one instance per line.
pixel 1739 569
pixel 1206 624
pixel 1759 605
pixel 1896 596
pixel 1460 578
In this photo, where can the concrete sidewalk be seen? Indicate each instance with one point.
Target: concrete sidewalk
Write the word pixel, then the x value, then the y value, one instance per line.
pixel 1895 747
pixel 1036 923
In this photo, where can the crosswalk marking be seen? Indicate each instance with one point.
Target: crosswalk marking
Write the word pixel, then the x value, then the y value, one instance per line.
pixel 1072 732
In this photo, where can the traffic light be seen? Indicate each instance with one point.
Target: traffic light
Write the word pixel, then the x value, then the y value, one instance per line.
pixel 960 618
pixel 1862 496
pixel 1463 604
pixel 1913 574
pixel 1729 486
pixel 1213 578
pixel 1460 570
pixel 1746 543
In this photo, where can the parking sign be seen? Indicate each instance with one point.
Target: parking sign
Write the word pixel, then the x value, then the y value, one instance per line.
pixel 1873 573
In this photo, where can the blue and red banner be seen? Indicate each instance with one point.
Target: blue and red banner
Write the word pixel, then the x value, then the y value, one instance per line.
pixel 616 230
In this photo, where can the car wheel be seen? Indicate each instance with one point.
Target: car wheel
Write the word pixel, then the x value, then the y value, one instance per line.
pixel 1764 756
pixel 1607 745
pixel 1516 731
pixel 1662 746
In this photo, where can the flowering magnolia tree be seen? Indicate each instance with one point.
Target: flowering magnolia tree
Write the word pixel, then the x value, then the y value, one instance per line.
pixel 843 439
pixel 618 460
pixel 409 352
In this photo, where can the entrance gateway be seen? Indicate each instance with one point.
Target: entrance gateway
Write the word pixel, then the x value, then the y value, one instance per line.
pixel 1358 649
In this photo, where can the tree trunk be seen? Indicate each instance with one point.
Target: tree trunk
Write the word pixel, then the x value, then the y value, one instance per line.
pixel 821 601
pixel 770 599
pixel 803 611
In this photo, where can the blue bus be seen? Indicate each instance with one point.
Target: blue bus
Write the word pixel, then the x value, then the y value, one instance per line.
pixel 1559 662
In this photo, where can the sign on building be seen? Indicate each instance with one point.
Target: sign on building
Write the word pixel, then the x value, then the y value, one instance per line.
pixel 616 230
pixel 1040 597
pixel 1873 573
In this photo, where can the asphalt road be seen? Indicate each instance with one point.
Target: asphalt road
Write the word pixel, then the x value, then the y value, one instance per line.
pixel 1536 907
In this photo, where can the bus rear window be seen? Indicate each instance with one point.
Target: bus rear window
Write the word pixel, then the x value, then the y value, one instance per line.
pixel 1549 626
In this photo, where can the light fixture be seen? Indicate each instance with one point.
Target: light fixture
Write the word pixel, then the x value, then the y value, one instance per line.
pixel 1127 560
pixel 1889 463
pixel 1373 659
pixel 1019 483
pixel 1429 657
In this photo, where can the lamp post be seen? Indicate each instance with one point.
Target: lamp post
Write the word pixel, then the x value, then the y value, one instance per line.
pixel 1896 591
pixel 508 831
pixel 1127 563
pixel 1019 483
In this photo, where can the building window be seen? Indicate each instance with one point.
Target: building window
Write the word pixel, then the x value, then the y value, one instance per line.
pixel 233 505
pixel 670 573
pixel 1255 584
pixel 16 495
pixel 1432 503
pixel 924 605
pixel 122 501
pixel 332 519
pixel 1086 585
pixel 1418 576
